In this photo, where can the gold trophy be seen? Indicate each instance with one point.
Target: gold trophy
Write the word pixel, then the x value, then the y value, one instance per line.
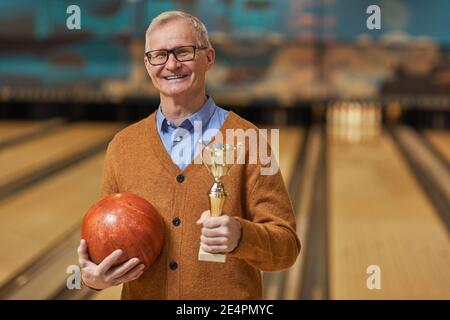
pixel 216 158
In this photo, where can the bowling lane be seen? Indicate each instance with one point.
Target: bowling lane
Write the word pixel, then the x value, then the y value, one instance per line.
pixel 13 130
pixel 290 142
pixel 108 294
pixel 13 127
pixel 440 139
pixel 33 220
pixel 299 277
pixel 380 216
pixel 32 156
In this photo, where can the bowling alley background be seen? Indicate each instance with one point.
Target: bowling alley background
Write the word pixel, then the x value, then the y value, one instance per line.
pixel 364 119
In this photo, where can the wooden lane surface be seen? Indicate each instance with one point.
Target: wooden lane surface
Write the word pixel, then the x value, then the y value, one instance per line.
pixel 301 282
pixel 13 127
pixel 112 293
pixel 290 143
pixel 380 216
pixel 19 161
pixel 15 131
pixel 33 220
pixel 440 139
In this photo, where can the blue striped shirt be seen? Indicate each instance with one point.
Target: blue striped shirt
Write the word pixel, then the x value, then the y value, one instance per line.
pixel 180 142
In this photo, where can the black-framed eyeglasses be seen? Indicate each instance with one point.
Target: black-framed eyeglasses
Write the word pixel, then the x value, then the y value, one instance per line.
pixel 182 54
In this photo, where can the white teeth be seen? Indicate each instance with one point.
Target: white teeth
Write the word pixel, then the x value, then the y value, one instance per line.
pixel 174 77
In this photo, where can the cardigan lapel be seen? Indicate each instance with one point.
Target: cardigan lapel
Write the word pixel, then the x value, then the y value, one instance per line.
pixel 160 151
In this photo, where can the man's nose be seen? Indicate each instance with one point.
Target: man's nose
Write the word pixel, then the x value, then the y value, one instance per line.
pixel 172 63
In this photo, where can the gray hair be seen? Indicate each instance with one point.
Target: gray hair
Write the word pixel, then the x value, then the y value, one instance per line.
pixel 197 25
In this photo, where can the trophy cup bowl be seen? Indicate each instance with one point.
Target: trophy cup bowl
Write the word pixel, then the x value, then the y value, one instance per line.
pixel 216 158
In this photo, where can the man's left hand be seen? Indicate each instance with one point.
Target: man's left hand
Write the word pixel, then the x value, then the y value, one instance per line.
pixel 219 234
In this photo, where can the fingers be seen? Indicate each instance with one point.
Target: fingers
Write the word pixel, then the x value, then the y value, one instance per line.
pixel 107 263
pixel 213 241
pixel 220 234
pixel 83 256
pixel 121 270
pixel 215 245
pixel 215 222
pixel 214 249
pixel 135 273
pixel 204 215
pixel 215 226
pixel 216 232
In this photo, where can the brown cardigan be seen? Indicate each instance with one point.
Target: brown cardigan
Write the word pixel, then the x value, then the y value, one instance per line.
pixel 137 162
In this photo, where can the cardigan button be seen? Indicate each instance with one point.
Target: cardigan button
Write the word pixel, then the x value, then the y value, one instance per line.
pixel 176 221
pixel 173 265
pixel 180 178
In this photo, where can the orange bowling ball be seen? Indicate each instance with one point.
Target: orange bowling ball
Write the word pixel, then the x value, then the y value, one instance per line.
pixel 123 221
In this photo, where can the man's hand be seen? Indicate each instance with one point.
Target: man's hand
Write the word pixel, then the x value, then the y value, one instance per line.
pixel 219 234
pixel 102 276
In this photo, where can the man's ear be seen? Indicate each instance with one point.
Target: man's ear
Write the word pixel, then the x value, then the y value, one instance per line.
pixel 147 65
pixel 210 55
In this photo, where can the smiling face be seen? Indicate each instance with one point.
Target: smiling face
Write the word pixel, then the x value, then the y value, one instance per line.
pixel 174 78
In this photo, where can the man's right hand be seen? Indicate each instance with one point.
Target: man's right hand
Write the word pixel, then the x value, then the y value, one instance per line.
pixel 103 276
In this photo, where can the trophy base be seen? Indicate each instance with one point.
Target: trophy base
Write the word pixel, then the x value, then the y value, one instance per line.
pixel 211 257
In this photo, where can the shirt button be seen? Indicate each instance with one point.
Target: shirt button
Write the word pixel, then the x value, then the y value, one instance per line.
pixel 176 221
pixel 173 265
pixel 180 178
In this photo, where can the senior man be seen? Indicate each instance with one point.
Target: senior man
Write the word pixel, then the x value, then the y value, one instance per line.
pixel 154 158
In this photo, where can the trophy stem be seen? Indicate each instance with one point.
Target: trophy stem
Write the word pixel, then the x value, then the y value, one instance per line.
pixel 217 196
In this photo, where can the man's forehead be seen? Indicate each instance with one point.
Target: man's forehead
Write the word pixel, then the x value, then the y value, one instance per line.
pixel 171 35
pixel 173 27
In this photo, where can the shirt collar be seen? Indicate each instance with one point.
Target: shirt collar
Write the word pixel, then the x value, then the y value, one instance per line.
pixel 204 115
